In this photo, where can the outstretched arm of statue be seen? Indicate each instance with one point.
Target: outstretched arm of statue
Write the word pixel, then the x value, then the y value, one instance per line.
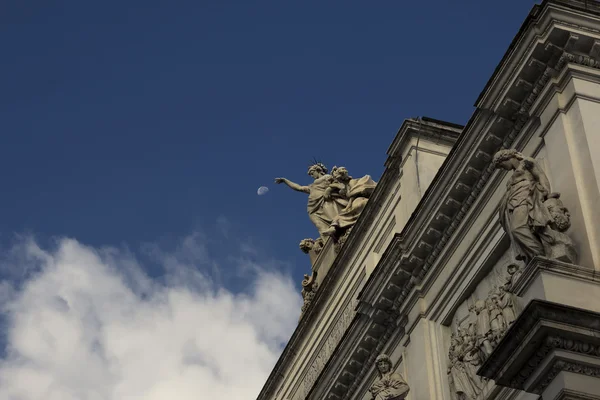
pixel 292 185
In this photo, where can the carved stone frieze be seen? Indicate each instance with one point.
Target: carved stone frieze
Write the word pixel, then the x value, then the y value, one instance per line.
pixel 333 339
pixel 474 340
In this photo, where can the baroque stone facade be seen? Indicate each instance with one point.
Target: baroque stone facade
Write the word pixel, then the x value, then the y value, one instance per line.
pixel 469 271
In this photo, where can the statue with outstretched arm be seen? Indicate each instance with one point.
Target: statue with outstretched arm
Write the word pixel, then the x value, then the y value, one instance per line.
pixel 323 206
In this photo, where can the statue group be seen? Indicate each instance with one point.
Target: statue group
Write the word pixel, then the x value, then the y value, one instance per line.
pixel 335 201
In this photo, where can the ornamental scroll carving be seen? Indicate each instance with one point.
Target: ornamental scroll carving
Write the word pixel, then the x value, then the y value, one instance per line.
pixel 476 336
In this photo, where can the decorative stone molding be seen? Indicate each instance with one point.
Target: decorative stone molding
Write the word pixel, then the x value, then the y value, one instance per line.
pixel 545 333
pixel 567 366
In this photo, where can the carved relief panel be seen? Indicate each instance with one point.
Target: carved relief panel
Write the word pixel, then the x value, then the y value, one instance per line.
pixel 479 325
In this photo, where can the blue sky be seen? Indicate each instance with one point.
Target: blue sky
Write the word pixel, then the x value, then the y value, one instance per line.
pixel 140 125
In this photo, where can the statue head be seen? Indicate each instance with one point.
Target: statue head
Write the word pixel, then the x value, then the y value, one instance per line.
pixel 383 363
pixel 479 306
pixel 561 219
pixel 306 245
pixel 507 159
pixel 512 269
pixel 340 174
pixel 317 170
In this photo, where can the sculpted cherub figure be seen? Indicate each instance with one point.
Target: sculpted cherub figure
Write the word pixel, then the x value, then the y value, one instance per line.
pixel 388 385
pixel 323 206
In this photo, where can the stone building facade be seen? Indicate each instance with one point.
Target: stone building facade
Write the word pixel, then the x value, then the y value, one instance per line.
pixel 473 270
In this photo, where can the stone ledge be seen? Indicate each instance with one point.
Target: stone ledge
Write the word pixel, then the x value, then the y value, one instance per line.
pixel 558 282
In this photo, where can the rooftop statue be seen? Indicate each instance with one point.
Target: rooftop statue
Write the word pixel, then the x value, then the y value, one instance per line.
pixel 323 204
pixel 357 191
pixel 532 216
pixel 388 385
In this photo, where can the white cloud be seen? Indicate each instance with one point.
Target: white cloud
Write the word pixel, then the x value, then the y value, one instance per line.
pixel 89 324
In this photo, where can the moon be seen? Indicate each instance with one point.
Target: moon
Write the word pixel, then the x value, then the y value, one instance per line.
pixel 262 190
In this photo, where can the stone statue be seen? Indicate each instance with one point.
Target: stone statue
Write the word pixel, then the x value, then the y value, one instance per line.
pixel 483 328
pixel 309 290
pixel 514 272
pixel 524 210
pixel 508 303
pixel 472 361
pixel 460 382
pixel 311 247
pixel 323 205
pixel 560 246
pixel 357 191
pixel 388 385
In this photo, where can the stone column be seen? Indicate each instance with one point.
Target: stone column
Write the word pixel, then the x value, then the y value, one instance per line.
pixel 553 348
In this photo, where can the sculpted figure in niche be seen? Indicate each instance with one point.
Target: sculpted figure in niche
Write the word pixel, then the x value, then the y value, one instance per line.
pixel 524 210
pixel 357 191
pixel 323 205
pixel 388 385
